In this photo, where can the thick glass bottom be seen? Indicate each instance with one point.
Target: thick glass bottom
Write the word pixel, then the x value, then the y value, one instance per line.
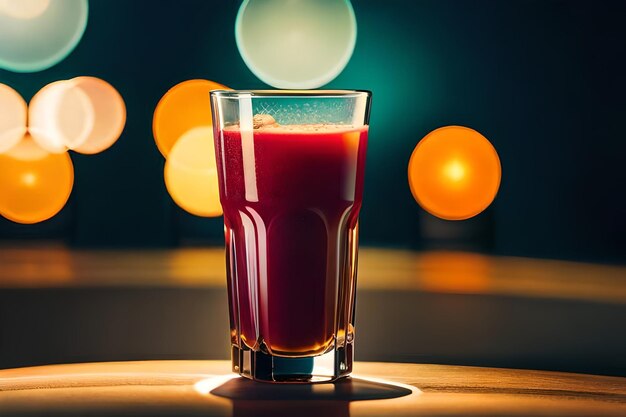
pixel 264 367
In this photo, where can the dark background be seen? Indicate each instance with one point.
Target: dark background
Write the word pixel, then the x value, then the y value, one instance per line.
pixel 543 80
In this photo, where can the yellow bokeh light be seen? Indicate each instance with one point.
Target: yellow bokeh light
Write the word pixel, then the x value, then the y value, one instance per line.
pixel 24 9
pixel 191 173
pixel 12 117
pixel 454 173
pixel 34 184
pixel 184 107
pixel 29 179
pixel 455 170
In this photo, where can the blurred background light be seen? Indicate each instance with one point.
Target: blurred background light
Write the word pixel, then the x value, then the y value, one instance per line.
pixel 13 112
pixel 455 272
pixel 185 106
pixel 109 114
pixel 296 43
pixel 37 34
pixel 27 150
pixel 60 117
pixel 23 9
pixel 454 173
pixel 191 173
pixel 34 185
pixel 85 114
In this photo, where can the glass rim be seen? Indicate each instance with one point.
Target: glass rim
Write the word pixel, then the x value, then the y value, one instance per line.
pixel 291 93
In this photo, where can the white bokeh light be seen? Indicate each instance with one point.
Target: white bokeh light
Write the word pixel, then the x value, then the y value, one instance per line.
pixel 37 34
pixel 60 117
pixel 109 111
pixel 84 114
pixel 12 118
pixel 297 44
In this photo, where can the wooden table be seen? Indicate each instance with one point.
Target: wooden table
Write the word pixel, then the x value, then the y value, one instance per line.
pixel 207 388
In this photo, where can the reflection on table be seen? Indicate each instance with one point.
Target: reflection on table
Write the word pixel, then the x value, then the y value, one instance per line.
pixel 433 307
pixel 207 388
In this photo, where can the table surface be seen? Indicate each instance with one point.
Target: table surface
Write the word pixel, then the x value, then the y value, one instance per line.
pixel 207 388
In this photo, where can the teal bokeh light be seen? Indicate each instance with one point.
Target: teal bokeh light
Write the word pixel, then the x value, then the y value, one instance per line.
pixel 296 44
pixel 37 34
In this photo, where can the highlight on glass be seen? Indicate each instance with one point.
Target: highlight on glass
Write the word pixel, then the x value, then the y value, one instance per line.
pixel 290 170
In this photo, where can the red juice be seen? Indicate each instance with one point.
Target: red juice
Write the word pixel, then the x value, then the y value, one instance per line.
pixel 291 197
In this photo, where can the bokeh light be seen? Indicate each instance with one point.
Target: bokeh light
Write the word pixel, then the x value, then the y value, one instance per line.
pixel 13 112
pixel 23 9
pixel 109 111
pixel 454 173
pixel 85 114
pixel 454 272
pixel 28 150
pixel 296 43
pixel 34 185
pixel 37 34
pixel 191 173
pixel 60 117
pixel 185 106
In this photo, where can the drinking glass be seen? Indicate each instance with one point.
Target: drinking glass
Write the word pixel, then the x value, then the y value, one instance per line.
pixel 290 169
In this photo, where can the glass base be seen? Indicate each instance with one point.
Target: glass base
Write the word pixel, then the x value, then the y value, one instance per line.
pixel 264 367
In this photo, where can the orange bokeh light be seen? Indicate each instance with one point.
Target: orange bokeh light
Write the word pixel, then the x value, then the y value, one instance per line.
pixel 184 107
pixel 34 184
pixel 454 173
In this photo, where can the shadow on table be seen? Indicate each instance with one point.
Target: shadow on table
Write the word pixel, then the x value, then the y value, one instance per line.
pixel 303 400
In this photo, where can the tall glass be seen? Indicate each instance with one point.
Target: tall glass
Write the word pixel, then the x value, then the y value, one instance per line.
pixel 290 168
